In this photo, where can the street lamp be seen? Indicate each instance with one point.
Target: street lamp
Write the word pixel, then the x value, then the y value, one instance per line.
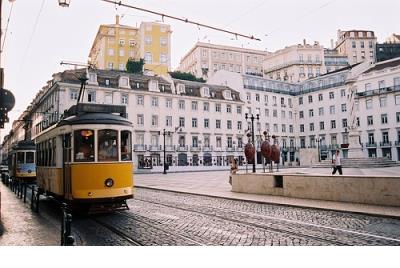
pixel 165 164
pixel 319 153
pixel 64 3
pixel 252 136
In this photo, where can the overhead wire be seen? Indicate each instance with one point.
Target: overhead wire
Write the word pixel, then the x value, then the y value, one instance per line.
pixel 33 33
pixel 163 15
pixel 6 30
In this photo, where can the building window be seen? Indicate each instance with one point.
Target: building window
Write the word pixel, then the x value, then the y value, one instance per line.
pixel 206 123
pixel 228 108
pixel 321 111
pixel 168 121
pixel 344 108
pixel 258 97
pixel 229 124
pixel 320 97
pixel 140 119
pixel 168 103
pixel 148 57
pixel 73 94
pixel 124 98
pixel 181 121
pixel 397 99
pixel 344 122
pixel 163 58
pixel 217 123
pixel 384 119
pixel 194 122
pixel 333 124
pixel 332 109
pixel 321 125
pixel 331 95
pixel 239 125
pixel 310 100
pixel 91 96
pixel 140 100
pixel 239 109
pixel 311 126
pixel 148 40
pixel 218 107
pixel 291 128
pixel 110 52
pixel 368 104
pixel 398 117
pixel 206 106
pixel 371 138
pixel 154 101
pixel 154 120
pixel 301 114
pixel 275 113
pixel 370 120
pixel 383 101
pixel 194 105
pixel 301 128
pixel 311 113
pixel 343 93
pixel 181 104
pixel 300 100
pixel 163 41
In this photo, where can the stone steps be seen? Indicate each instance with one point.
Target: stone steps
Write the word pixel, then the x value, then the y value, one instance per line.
pixel 360 163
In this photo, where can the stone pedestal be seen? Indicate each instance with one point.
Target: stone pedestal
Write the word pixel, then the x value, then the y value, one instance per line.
pixel 355 149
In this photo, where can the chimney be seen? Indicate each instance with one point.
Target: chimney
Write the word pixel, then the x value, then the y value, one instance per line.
pixel 332 46
pixel 304 41
pixel 117 19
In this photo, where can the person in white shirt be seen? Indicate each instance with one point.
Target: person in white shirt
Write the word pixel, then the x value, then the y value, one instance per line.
pixel 337 163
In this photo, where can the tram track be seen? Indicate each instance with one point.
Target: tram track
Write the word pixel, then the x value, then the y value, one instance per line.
pixel 326 234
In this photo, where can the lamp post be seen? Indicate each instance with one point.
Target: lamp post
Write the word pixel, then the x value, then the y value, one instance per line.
pixel 252 117
pixel 319 153
pixel 165 163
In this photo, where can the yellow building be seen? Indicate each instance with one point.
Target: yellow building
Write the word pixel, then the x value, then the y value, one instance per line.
pixel 115 44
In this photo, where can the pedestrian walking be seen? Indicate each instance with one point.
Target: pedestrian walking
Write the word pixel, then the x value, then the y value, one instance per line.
pixel 234 169
pixel 337 163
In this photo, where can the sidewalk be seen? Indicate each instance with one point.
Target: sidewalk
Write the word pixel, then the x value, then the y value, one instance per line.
pixel 215 184
pixel 21 226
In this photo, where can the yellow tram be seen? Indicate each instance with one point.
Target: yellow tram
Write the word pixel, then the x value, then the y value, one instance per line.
pixel 86 158
pixel 21 162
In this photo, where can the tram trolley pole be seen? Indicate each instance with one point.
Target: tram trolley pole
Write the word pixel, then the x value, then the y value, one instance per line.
pixel 66 219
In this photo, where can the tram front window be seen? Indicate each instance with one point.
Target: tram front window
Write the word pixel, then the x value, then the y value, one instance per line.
pixel 84 145
pixel 20 158
pixel 107 148
pixel 126 145
pixel 30 157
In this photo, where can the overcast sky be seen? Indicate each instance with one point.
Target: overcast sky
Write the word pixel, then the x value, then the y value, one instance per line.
pixel 38 39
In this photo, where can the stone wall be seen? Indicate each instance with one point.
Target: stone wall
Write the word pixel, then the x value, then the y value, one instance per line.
pixel 371 190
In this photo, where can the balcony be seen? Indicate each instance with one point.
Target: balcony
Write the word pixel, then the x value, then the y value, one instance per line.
pixel 140 148
pixel 155 148
pixel 181 148
pixel 195 148
pixel 385 144
pixel 370 145
pixel 230 148
pixel 207 148
pixel 169 148
pixel 239 149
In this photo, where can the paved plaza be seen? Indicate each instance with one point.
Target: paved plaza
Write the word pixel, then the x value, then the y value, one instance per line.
pixel 215 183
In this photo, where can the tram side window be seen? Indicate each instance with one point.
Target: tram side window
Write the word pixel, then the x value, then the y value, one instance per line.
pixel 107 147
pixel 50 153
pixel 30 157
pixel 84 145
pixel 53 149
pixel 67 146
pixel 126 145
pixel 20 157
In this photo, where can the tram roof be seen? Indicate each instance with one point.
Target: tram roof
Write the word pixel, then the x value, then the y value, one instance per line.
pixel 24 145
pixel 95 118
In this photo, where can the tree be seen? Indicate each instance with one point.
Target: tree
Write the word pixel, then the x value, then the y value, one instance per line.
pixel 186 76
pixel 133 66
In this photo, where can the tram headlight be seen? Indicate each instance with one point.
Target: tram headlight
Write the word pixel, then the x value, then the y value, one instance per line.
pixel 109 182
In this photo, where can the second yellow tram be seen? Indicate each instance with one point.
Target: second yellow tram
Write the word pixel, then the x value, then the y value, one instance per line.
pixel 86 158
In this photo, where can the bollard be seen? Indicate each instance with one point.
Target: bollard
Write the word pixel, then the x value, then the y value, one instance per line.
pixel 32 197
pixel 25 186
pixel 66 220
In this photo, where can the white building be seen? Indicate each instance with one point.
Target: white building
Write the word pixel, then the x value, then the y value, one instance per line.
pixel 295 63
pixel 205 59
pixel 357 45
